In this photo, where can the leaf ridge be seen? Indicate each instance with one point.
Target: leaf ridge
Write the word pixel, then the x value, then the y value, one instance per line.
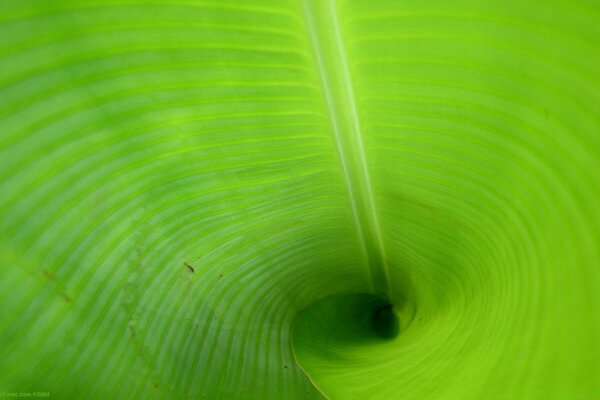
pixel 338 92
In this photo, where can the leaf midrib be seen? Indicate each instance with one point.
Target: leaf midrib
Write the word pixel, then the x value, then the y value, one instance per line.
pixel 338 92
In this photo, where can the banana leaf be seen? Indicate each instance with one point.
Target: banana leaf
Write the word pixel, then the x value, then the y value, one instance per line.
pixel 312 199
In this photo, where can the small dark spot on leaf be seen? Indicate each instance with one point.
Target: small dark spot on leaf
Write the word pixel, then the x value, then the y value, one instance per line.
pixel 47 274
pixel 67 298
pixel 286 367
pixel 220 276
pixel 190 267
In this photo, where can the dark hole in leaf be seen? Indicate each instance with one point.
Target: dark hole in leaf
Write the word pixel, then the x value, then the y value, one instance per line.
pixel 385 322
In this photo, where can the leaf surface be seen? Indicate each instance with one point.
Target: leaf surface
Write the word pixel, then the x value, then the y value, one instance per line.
pixel 310 161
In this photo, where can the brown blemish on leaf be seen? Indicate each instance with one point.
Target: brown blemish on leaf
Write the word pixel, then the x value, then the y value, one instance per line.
pixel 192 270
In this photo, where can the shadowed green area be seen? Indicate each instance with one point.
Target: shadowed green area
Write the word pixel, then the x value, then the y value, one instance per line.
pixel 346 321
pixel 377 200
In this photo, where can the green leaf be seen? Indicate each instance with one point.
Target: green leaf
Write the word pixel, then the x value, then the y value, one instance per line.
pixel 276 200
